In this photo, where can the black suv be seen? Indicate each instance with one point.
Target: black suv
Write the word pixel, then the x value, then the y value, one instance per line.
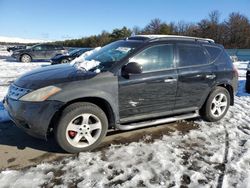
pixel 139 81
pixel 38 52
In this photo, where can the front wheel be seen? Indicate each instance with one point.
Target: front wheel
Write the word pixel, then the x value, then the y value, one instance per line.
pixel 216 106
pixel 81 128
pixel 25 58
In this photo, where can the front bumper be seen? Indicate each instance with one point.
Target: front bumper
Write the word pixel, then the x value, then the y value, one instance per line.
pixel 33 117
pixel 15 56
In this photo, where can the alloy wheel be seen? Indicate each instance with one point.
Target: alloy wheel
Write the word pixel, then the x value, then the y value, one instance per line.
pixel 26 59
pixel 84 130
pixel 219 105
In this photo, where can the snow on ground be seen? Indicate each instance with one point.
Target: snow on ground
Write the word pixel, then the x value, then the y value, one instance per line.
pixel 241 66
pixel 214 155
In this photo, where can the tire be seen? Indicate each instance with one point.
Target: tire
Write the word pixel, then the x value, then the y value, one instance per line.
pixel 25 58
pixel 216 105
pixel 82 127
pixel 63 61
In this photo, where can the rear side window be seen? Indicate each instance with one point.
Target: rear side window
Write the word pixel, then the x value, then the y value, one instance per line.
pixel 223 59
pixel 213 51
pixel 56 47
pixel 155 58
pixel 190 55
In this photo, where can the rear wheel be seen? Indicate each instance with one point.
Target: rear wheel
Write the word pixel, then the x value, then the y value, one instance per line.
pixel 65 61
pixel 81 128
pixel 25 58
pixel 216 106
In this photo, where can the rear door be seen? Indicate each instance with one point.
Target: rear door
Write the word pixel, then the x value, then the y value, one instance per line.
pixel 151 93
pixel 51 51
pixel 195 76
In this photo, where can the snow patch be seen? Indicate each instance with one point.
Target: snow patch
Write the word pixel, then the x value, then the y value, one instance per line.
pixel 81 63
pixel 21 40
pixel 81 58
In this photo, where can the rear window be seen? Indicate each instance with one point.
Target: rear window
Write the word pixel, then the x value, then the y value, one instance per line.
pixel 213 51
pixel 190 55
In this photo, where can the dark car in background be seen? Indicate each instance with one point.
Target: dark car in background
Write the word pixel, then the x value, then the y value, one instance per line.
pixel 66 58
pixel 248 79
pixel 38 52
pixel 139 81
pixel 14 48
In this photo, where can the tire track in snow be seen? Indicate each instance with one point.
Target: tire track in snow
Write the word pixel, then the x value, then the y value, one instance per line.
pixel 225 160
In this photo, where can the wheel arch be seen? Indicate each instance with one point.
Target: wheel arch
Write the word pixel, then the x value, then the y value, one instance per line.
pixel 230 90
pixel 227 86
pixel 100 102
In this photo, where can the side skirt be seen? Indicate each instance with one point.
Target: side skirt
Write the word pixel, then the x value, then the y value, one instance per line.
pixel 157 121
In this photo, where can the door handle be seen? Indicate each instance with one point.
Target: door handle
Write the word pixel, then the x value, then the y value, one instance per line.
pixel 170 80
pixel 210 76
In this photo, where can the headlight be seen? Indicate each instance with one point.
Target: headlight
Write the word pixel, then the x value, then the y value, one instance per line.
pixel 40 94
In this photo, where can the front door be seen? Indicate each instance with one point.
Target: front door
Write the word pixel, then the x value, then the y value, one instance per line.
pixel 151 93
pixel 39 52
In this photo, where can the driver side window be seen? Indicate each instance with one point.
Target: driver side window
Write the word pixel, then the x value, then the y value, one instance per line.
pixel 155 58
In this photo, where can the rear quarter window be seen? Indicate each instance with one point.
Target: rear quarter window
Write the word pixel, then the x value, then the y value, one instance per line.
pixel 191 54
pixel 213 52
pixel 223 59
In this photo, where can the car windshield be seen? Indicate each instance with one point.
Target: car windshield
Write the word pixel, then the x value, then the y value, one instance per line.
pixel 74 52
pixel 112 53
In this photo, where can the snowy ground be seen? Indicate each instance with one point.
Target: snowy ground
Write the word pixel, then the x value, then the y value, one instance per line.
pixel 214 155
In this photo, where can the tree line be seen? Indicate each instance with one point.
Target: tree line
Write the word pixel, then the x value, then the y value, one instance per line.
pixel 233 32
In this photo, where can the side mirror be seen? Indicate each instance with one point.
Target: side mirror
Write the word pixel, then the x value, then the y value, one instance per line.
pixel 131 68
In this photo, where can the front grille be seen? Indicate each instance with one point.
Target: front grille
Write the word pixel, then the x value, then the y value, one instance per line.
pixel 17 92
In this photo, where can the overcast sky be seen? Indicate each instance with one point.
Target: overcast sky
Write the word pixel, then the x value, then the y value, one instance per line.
pixel 61 19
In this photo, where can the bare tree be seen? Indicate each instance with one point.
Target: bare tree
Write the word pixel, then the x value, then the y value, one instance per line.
pixel 153 27
pixel 238 30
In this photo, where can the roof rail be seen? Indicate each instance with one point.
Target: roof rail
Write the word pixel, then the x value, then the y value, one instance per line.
pixel 173 36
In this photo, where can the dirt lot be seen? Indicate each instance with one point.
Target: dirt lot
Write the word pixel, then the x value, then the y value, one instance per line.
pixel 19 150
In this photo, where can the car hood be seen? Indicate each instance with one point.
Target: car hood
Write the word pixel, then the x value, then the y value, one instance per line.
pixel 51 75
pixel 22 50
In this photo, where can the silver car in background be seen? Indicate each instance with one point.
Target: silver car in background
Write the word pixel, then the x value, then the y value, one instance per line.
pixel 38 52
